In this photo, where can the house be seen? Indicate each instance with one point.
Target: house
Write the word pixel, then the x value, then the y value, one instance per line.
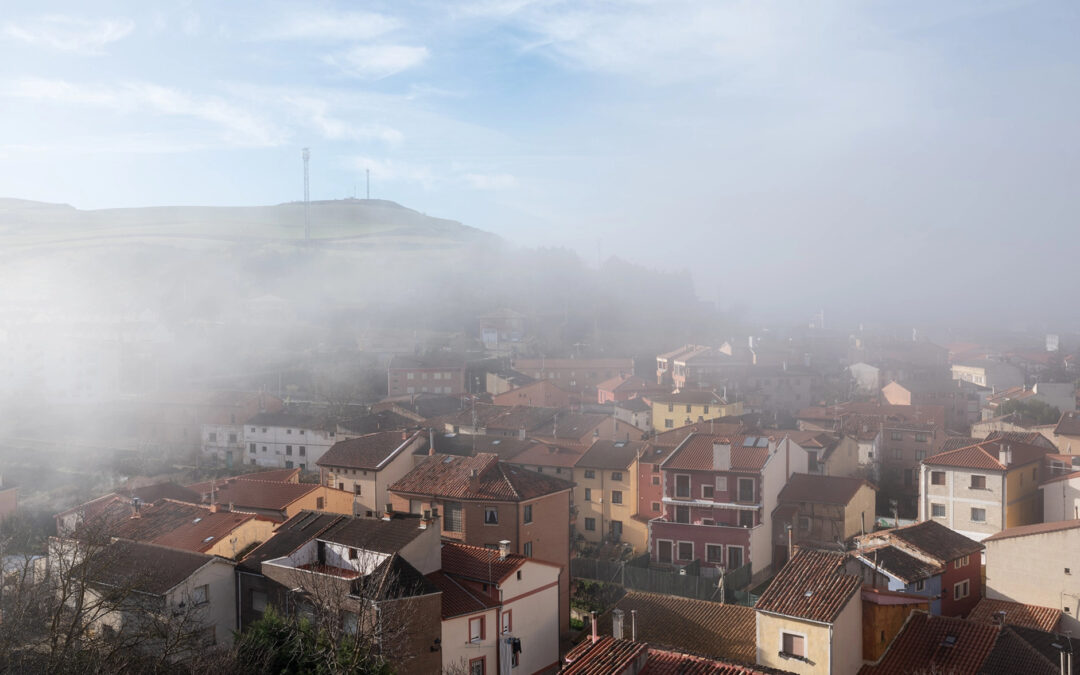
pixel 777 391
pixel 884 614
pixel 719 494
pixel 988 373
pixel 575 375
pixel 128 579
pixel 367 465
pixel 809 619
pixel 1011 423
pixel 867 377
pixel 502 329
pixel 704 367
pixel 549 458
pixel 636 412
pixel 983 488
pixel 270 499
pixel 582 429
pixel 367 573
pixel 1066 434
pixel 650 488
pixel 925 559
pixel 505 379
pixel 614 656
pixel 1061 492
pixel 1016 614
pixel 606 493
pixel 670 411
pixel 822 511
pixel 287 440
pixel 500 611
pixel 178 418
pixel 665 363
pixel 223 415
pixel 1037 565
pixel 1058 395
pixel 624 388
pixel 961 404
pixel 718 630
pixel 434 373
pixel 482 501
pixel 830 453
pixel 542 393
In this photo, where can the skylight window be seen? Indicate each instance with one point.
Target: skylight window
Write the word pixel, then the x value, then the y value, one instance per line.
pixel 207 539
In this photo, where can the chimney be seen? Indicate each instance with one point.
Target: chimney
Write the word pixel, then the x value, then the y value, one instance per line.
pixel 504 548
pixel 617 624
pixel 592 620
pixel 431 441
pixel 721 456
pixel 999 618
pixel 1005 454
pixel 136 505
pixel 425 520
pixel 633 625
pixel 474 480
pixel 389 513
pixel 214 508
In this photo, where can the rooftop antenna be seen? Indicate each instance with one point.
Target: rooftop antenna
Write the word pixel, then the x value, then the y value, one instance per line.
pixel 306 154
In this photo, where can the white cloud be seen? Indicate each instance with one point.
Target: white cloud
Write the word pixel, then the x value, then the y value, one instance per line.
pixel 315 112
pixel 335 26
pixel 392 170
pixel 237 126
pixel 490 181
pixel 69 33
pixel 378 61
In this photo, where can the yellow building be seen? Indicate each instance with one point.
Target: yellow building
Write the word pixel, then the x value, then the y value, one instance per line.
pixel 809 620
pixel 671 411
pixel 606 493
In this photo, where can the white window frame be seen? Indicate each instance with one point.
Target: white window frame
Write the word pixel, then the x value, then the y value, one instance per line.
pixel 963 587
pixel 973 510
pixel 689 486
pixel 753 489
pixel 674 550
pixel 476 637
pixel 780 643
pixel 678 555
pixel 707 486
pixel 720 560
pixel 935 505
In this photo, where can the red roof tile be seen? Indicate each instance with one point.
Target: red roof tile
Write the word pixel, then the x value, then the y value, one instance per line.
pixel 608 656
pixel 936 644
pixel 811 586
pixel 369 452
pixel 456 599
pixel 604 454
pixel 1068 425
pixel 549 454
pixel 1016 614
pixel 986 455
pixel 478 562
pixel 804 487
pixel 179 525
pixel 255 494
pixel 1038 528
pixel 451 477
pixel 696 454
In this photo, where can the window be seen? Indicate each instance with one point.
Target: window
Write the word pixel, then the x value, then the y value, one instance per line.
pixel 922 438
pixel 746 489
pixel 714 553
pixel 616 497
pixel 258 601
pixel 793 645
pixel 252 429
pixel 656 507
pixel 937 510
pixel 804 523
pixel 746 518
pixel 476 629
pixel 937 477
pixel 356 488
pixel 288 464
pixel 232 438
pixel 264 430
pixel 478 666
pixel 491 515
pixel 682 486
pixel 527 514
pixel 251 448
pixel 669 424
pixel 688 408
pixel 706 492
pixel 920 584
pixel 589 473
pixel 200 595
pixel 671 407
pixel 289 432
pixel 896 436
pixel 350 622
pixel 961 590
pixel 656 480
pixel 590 524
pixel 978 482
pixel 319 503
pixel 706 410
pixel 616 475
pixel 686 550
pixel 656 468
pixel 961 562
pixel 526 550
pixel 682 514
pixel 303 451
pixel 213 437
pixel 354 554
pixel 264 448
pixel 288 450
pixel 588 494
pixel 978 515
pixel 452 517
pixel 507 622
pixel 410 376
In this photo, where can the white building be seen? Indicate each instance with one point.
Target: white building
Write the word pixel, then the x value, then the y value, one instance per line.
pixel 1061 495
pixel 287 440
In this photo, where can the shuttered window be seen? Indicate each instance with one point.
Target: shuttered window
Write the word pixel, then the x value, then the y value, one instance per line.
pixel 452 517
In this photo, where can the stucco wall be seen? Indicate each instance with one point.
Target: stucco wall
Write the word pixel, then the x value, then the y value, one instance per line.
pixel 1032 570
pixel 769 642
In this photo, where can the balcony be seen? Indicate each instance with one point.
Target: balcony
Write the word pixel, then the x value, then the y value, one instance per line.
pixel 708 504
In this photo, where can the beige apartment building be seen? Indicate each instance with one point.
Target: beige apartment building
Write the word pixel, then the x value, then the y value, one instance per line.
pixel 606 493
pixel 368 465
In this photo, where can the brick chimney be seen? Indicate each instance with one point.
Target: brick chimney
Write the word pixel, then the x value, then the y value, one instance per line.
pixel 431 441
pixel 721 453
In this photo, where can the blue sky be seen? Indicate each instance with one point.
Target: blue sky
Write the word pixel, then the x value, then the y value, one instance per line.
pixel 849 155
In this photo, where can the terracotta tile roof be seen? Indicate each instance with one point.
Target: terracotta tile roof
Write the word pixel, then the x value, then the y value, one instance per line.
pixel 1038 528
pixel 549 454
pixel 1012 654
pixel 256 494
pixel 470 444
pixel 479 563
pixel 178 525
pixel 613 454
pixel 608 656
pixel 899 564
pixel 971 457
pixel 879 596
pixel 936 644
pixel 273 476
pixel 929 537
pixel 448 476
pixel 570 426
pixel 427 361
pixel 634 405
pixel 291 420
pixel 1017 614
pixel 369 452
pixel 674 437
pixel 148 568
pixel 577 364
pixel 1068 425
pixel 456 599
pixel 711 628
pixel 1026 437
pixel 696 453
pixel 811 586
pixel 374 534
pixel 689 397
pixel 152 493
pixel 804 487
pixel 674 663
pixel 957 442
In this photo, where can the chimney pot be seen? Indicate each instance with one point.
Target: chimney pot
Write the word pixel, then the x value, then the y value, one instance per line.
pixel 617 624
pixel 504 549
pixel 592 620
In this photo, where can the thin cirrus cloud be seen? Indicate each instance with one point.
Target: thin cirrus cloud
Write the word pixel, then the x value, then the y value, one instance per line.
pixel 375 62
pixel 333 26
pixel 68 33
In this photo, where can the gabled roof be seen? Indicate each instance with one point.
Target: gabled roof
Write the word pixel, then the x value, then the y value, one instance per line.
pixel 930 538
pixel 986 455
pixel 369 452
pixel 289 536
pixel 613 454
pixel 812 586
pixel 674 437
pixel 635 405
pixel 1013 654
pixel 689 397
pixel 1038 528
pixel 696 453
pixel 469 444
pixel 570 426
pixel 433 360
pixel 1068 425
pixel 168 490
pixel 374 534
pixel 479 563
pixel 813 488
pixel 290 420
pixel 957 442
pixel 721 630
pixel 177 525
pixel 936 644
pixel 202 488
pixel 1016 614
pixel 256 494
pixel 147 568
pixel 899 564
pixel 457 600
pixel 449 476
pixel 608 656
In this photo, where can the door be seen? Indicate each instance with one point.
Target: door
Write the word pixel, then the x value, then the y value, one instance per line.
pixel 663 551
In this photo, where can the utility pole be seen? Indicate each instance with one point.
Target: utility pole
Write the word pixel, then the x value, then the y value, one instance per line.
pixel 306 154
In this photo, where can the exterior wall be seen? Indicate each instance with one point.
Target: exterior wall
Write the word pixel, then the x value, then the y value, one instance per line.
pixel 643 420
pixel 1049 579
pixel 417 620
pixel 844 460
pixel 285 448
pixel 457 651
pixel 781 392
pixel 867 377
pixel 533 605
pixel 1066 444
pixel 254 530
pixel 9 502
pixel 972 572
pixel 220 612
pixel 818 648
pixel 881 623
pixel 1061 500
pixel 372 495
pixel 994 375
pixel 603 510
pixel 844 658
pixel 334 501
pixel 959 498
pixel 575 375
pixel 650 488
pixel 540 394
pixel 1024 501
pixel 444 380
pixel 675 415
pixel 225 442
pixel 859 515
pixel 931 587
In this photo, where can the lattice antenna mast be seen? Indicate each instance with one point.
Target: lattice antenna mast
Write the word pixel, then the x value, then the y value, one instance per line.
pixel 306 154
